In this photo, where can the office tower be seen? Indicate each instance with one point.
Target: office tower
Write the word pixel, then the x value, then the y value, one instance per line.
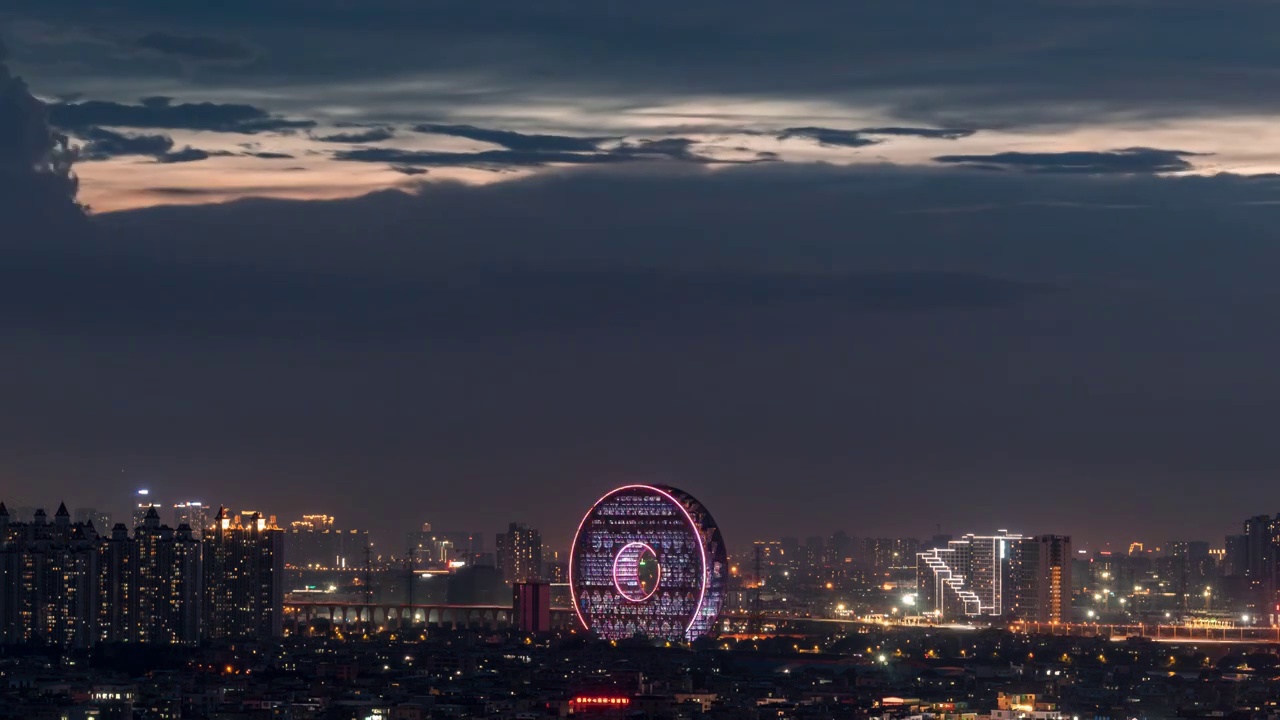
pixel 194 515
pixel 1235 556
pixel 1189 566
pixel 555 565
pixel 975 575
pixel 520 553
pixel 101 521
pixel 316 542
pixel 48 572
pixel 813 555
pixel 771 557
pixel 1260 539
pixel 419 544
pixel 477 585
pixel 8 579
pixel 1044 592
pixel 531 603
pixel 243 577
pixel 788 554
pixel 840 548
pixel 144 503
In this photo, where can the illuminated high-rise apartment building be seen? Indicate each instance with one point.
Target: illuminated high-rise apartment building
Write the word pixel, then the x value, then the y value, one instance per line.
pixel 1044 593
pixel 168 597
pixel 47 573
pixel 520 553
pixel 117 612
pixel 243 577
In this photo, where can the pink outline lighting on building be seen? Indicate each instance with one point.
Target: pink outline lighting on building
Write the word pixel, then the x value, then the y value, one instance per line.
pixel 686 599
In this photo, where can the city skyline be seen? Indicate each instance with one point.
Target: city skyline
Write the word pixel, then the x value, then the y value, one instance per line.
pixel 390 541
pixel 646 560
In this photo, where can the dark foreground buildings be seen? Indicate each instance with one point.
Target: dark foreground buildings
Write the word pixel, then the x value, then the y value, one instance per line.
pixel 64 584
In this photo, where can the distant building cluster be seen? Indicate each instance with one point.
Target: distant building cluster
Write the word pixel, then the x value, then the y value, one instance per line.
pixel 315 543
pixel 62 583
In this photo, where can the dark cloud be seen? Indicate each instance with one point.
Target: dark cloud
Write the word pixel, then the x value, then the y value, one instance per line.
pixel 861 137
pixel 103 144
pixel 829 137
pixel 937 133
pixel 494 158
pixel 371 135
pixel 670 148
pixel 182 191
pixel 409 170
pixel 187 154
pixel 518 142
pixel 193 46
pixel 265 155
pixel 641 150
pixel 160 112
pixel 1127 161
pixel 37 186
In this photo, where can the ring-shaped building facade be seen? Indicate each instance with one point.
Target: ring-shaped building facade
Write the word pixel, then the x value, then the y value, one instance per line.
pixel 648 560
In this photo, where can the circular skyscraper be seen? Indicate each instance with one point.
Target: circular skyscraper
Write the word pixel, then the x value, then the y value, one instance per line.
pixel 648 560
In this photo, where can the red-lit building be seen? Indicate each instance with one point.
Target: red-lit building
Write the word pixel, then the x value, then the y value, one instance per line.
pixel 531 602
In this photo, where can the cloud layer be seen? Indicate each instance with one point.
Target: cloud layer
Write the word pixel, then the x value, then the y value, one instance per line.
pixel 1129 160
pixel 161 112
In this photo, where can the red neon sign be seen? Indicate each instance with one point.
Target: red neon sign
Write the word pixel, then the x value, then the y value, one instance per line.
pixel 601 701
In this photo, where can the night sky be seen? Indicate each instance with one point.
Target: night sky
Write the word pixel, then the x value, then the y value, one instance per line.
pixel 886 267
